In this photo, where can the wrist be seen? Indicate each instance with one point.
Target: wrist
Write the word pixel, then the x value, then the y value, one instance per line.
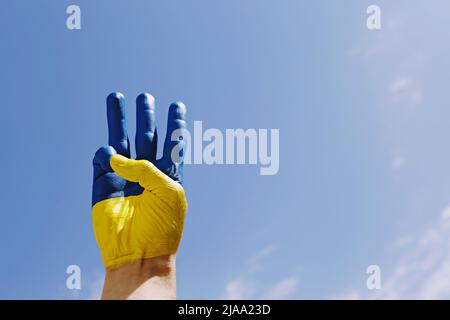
pixel 153 278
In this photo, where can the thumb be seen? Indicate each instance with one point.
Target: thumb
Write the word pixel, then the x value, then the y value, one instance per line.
pixel 142 171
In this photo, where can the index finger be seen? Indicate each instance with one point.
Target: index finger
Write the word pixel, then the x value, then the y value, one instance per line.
pixel 117 137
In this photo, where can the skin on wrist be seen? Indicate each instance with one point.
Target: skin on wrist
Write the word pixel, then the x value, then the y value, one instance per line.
pixel 145 279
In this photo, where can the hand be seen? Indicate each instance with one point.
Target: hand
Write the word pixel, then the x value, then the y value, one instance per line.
pixel 138 205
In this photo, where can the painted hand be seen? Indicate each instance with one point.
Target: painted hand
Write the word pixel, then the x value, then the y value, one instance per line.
pixel 138 206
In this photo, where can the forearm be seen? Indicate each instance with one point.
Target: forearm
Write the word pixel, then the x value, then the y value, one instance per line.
pixel 153 278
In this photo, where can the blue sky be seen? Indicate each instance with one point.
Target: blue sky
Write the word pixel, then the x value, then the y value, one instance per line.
pixel 364 151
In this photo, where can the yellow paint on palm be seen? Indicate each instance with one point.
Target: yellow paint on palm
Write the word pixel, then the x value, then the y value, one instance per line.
pixel 143 226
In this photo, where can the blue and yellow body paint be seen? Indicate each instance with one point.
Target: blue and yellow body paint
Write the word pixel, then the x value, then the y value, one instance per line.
pixel 138 206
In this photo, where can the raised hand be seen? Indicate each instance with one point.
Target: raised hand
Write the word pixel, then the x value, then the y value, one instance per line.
pixel 138 206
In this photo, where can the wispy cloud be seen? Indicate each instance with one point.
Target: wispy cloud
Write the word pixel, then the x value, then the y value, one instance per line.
pixel 246 286
pixel 402 242
pixel 398 162
pixel 404 90
pixel 445 215
pixel 400 84
pixel 238 289
pixel 284 289
pixel 422 270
